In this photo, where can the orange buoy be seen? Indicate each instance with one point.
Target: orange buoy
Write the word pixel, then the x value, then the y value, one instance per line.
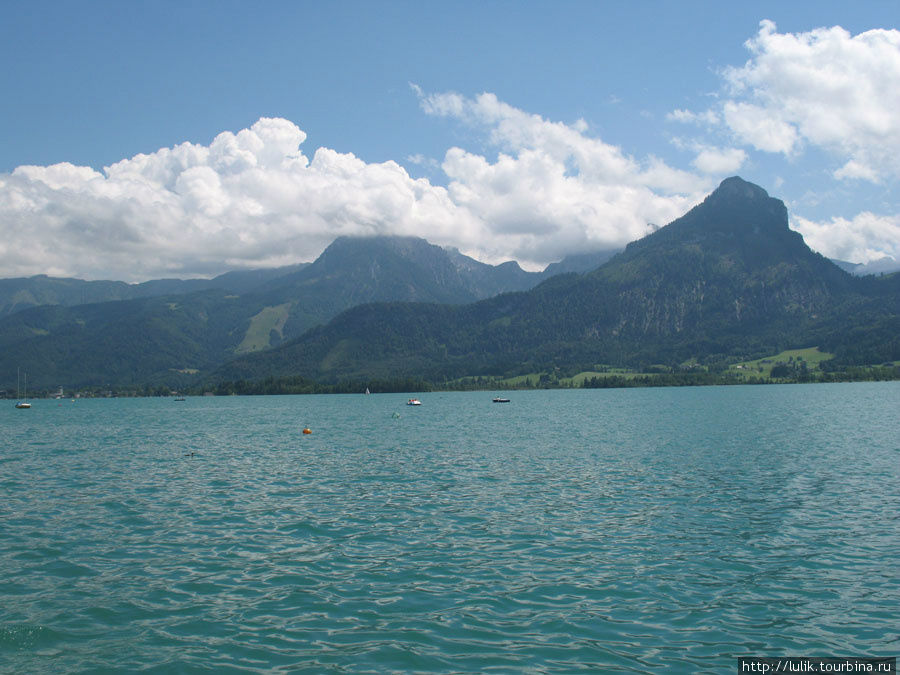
pixel 307 430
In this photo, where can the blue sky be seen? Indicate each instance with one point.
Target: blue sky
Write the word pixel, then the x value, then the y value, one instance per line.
pixel 133 146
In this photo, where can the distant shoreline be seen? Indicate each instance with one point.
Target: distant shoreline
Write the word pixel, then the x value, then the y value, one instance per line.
pixel 630 380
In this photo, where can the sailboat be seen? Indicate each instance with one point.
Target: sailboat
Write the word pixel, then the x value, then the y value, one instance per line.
pixel 24 403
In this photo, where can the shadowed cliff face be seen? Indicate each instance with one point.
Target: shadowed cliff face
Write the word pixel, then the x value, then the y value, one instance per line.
pixel 744 202
pixel 737 219
pixel 731 263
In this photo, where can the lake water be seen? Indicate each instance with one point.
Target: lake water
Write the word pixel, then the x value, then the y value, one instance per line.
pixel 641 530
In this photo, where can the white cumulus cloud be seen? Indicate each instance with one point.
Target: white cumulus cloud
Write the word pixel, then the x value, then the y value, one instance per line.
pixel 862 239
pixel 824 88
pixel 554 189
pixel 719 161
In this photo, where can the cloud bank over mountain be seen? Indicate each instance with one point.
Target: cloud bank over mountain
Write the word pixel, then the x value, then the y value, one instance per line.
pixel 531 189
pixel 248 199
pixel 867 237
pixel 252 199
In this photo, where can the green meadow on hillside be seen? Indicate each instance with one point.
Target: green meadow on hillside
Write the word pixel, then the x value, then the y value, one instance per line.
pixel 792 365
pixel 786 366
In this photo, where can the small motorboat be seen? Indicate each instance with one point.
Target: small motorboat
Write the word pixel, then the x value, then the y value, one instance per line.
pixel 498 399
pixel 413 401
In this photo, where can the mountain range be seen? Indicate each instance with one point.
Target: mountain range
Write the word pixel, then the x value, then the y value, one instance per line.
pixel 98 333
pixel 727 280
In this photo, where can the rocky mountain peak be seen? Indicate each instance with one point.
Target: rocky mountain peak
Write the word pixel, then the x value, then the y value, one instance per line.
pixel 737 204
pixel 737 188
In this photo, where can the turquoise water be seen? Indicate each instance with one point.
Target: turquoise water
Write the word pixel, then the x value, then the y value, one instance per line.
pixel 648 530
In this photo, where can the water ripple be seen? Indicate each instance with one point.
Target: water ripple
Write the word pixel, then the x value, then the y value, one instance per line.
pixel 615 531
